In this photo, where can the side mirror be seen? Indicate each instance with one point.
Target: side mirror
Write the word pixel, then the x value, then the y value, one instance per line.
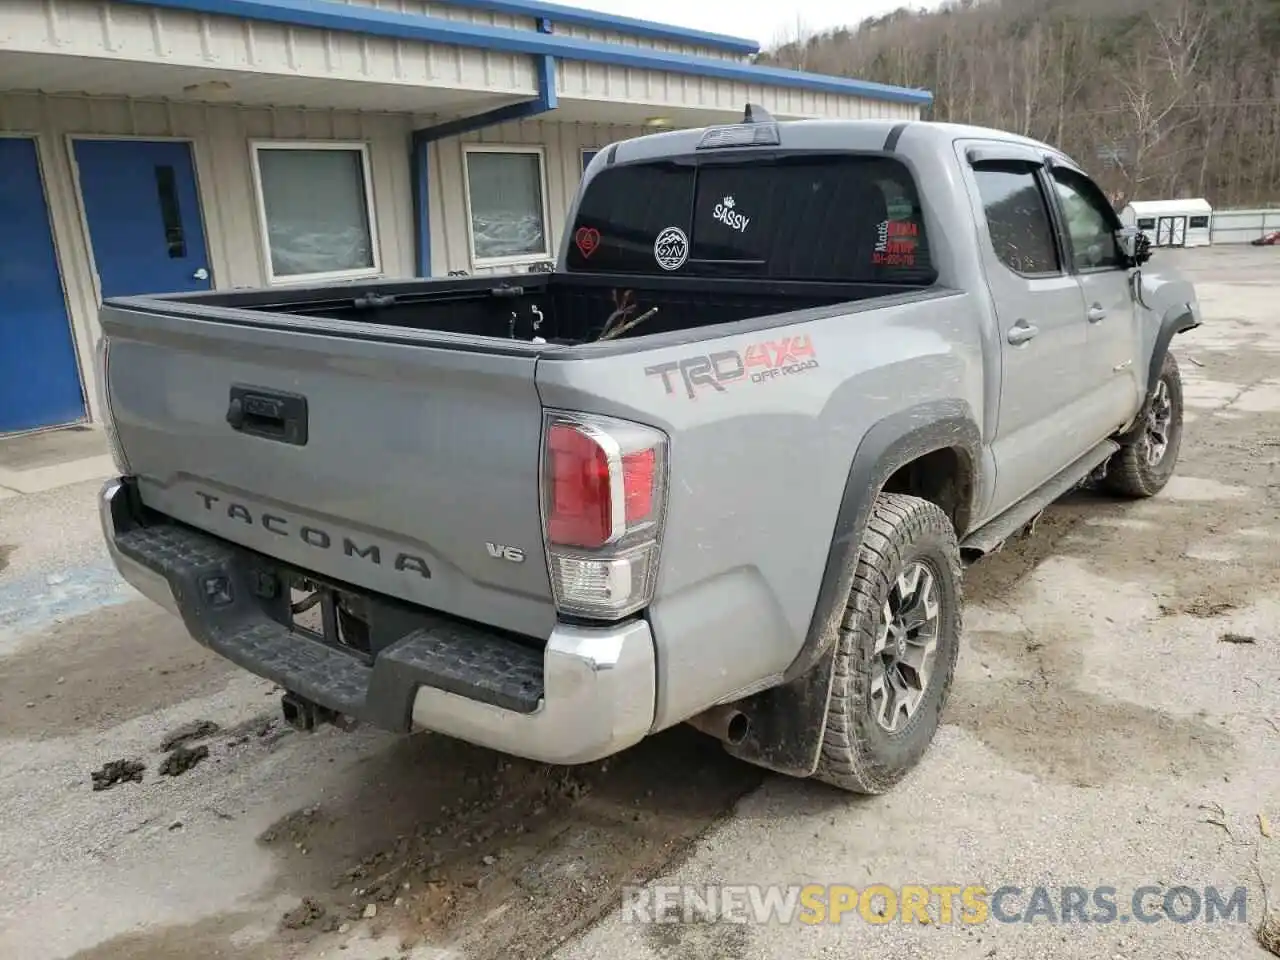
pixel 1134 246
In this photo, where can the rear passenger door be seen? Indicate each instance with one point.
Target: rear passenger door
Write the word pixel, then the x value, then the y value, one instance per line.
pixel 1111 335
pixel 1040 316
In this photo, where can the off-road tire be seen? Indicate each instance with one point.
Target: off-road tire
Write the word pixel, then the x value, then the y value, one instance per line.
pixel 858 754
pixel 1130 474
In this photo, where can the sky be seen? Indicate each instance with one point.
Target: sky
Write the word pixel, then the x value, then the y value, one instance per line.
pixel 766 21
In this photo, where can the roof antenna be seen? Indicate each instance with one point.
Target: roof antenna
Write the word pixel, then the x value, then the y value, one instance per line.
pixel 754 113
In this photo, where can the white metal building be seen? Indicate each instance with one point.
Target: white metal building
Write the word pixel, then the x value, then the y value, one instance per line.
pixel 173 145
pixel 1171 223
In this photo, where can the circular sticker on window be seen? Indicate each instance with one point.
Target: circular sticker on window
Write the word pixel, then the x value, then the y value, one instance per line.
pixel 671 249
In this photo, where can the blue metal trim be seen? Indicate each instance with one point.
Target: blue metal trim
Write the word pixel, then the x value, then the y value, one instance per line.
pixel 420 172
pixel 327 15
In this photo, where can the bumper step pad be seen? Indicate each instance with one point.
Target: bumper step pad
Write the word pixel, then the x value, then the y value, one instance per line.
pixel 209 579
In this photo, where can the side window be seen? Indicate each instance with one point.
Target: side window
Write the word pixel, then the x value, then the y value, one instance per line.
pixel 1199 223
pixel 1091 223
pixel 1018 218
pixel 1147 223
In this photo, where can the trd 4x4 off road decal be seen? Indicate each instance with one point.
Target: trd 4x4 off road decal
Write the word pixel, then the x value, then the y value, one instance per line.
pixel 760 363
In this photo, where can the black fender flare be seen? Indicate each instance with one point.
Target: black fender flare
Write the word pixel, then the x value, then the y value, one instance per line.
pixel 787 721
pixel 1177 319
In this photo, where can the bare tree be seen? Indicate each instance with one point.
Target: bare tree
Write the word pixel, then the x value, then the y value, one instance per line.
pixel 1157 96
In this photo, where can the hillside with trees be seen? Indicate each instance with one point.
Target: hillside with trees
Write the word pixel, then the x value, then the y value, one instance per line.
pixel 1157 98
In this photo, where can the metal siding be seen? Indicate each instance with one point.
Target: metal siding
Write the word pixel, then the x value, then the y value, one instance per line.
pixel 95 28
pixel 646 43
pixel 447 12
pixel 593 81
pixel 581 31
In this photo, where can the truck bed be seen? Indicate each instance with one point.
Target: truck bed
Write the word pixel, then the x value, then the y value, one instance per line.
pixel 566 309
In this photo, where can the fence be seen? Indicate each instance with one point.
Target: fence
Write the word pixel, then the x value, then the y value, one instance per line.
pixel 1241 226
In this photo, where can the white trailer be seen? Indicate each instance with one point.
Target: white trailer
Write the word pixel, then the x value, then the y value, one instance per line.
pixel 1171 223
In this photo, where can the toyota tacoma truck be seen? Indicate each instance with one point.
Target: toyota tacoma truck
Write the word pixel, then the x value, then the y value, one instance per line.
pixel 724 464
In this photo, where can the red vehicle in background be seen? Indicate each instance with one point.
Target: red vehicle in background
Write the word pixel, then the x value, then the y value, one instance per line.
pixel 1268 240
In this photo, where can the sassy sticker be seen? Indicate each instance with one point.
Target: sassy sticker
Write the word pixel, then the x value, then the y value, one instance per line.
pixel 588 240
pixel 731 218
pixel 671 249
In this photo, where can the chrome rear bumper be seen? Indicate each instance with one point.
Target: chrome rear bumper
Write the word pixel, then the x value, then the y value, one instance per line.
pixel 593 694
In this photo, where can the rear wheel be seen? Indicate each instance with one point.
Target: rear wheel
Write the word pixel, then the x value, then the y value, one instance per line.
pixel 1147 459
pixel 897 649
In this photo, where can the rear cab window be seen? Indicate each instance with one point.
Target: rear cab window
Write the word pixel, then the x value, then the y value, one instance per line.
pixel 805 217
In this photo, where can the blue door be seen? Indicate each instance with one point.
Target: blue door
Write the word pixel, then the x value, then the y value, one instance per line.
pixel 39 377
pixel 143 210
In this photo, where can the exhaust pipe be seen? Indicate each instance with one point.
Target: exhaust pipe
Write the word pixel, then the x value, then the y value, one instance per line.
pixel 726 723
pixel 305 715
pixel 298 712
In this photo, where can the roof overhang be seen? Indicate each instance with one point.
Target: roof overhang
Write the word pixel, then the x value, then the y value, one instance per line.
pixel 322 55
pixel 58 74
pixel 371 21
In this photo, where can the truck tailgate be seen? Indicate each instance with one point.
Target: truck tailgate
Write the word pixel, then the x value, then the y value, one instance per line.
pixel 403 468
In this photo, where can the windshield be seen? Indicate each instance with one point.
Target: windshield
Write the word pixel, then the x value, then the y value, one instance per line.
pixel 814 217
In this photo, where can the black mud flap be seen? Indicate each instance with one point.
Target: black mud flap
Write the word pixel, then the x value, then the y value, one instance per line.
pixel 787 723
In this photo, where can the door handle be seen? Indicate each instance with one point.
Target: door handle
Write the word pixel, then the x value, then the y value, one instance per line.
pixel 269 414
pixel 201 274
pixel 1097 313
pixel 1021 332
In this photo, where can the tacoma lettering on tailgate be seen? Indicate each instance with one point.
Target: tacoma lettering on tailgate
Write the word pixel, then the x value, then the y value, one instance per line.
pixel 759 363
pixel 311 535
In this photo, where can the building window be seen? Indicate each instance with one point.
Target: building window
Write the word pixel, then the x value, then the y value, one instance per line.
pixel 315 203
pixel 587 157
pixel 506 204
pixel 1199 223
pixel 1147 223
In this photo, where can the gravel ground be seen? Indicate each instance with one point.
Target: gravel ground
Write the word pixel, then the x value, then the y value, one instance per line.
pixel 1099 721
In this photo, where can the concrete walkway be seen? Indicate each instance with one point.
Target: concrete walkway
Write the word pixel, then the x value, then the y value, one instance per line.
pixel 36 462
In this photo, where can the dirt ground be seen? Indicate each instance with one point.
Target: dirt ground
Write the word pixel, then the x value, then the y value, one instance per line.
pixel 1119 689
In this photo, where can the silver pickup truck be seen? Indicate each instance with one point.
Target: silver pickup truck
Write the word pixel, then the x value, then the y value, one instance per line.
pixel 723 465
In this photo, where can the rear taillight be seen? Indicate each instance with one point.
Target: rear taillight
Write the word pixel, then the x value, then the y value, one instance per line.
pixel 603 498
